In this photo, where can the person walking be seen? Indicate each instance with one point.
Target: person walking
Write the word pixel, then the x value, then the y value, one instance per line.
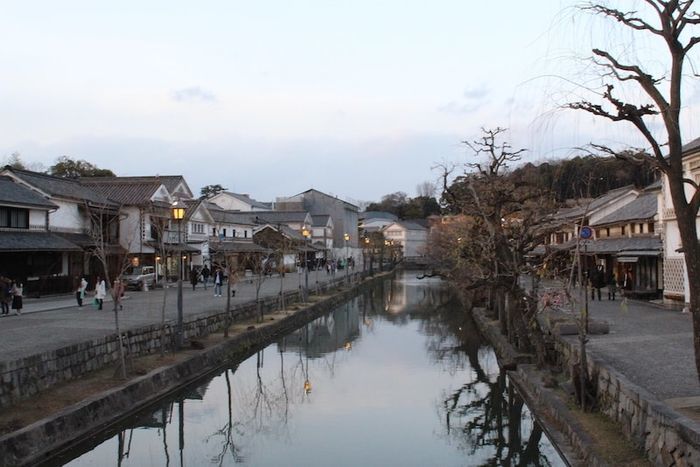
pixel 612 284
pixel 597 281
pixel 5 296
pixel 205 276
pixel 16 293
pixel 218 280
pixel 80 289
pixel 194 278
pixel 118 293
pixel 100 292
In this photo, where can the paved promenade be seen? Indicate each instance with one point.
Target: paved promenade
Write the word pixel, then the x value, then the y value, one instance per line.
pixel 55 322
pixel 650 344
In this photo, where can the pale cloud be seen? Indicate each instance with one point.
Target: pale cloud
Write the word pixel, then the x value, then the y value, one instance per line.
pixel 472 99
pixel 193 93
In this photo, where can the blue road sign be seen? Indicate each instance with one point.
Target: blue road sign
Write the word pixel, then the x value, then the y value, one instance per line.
pixel 586 232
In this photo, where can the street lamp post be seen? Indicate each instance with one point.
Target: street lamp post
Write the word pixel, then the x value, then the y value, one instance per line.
pixel 346 237
pixel 179 214
pixel 307 236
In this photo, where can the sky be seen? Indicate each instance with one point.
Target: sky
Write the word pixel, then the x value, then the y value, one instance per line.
pixel 355 98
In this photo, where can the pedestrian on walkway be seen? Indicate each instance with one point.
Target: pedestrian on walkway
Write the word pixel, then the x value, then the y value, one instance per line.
pixel 597 280
pixel 627 282
pixel 194 278
pixel 218 280
pixel 5 296
pixel 81 287
pixel 118 293
pixel 100 292
pixel 612 284
pixel 16 292
pixel 205 276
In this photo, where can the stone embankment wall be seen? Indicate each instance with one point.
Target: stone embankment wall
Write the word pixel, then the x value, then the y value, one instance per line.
pixel 666 436
pixel 37 442
pixel 23 378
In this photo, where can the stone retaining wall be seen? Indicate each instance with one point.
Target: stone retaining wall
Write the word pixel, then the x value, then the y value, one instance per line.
pixel 667 437
pixel 36 442
pixel 23 378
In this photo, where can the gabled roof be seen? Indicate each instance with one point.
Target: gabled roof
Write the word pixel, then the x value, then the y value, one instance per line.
pixel 600 201
pixel 406 225
pixel 171 182
pixel 691 146
pixel 643 208
pixel 123 191
pixel 248 200
pixel 230 217
pixel 194 205
pixel 35 241
pixel 15 194
pixel 58 187
pixel 312 190
pixel 284 230
pixel 377 215
pixel 273 217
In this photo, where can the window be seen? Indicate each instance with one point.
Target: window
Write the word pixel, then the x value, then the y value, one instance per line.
pixel 198 228
pixel 233 232
pixel 14 218
pixel 632 227
pixel 622 230
pixel 641 228
pixel 245 234
pixel 607 231
pixel 224 232
pixel 650 227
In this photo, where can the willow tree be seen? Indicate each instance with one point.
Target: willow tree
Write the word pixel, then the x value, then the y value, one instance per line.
pixel 657 114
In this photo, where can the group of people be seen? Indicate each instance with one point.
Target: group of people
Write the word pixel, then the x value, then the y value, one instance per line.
pixel 218 278
pixel 100 292
pixel 10 296
pixel 598 277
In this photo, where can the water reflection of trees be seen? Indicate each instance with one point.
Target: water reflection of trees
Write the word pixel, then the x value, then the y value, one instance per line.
pixel 485 414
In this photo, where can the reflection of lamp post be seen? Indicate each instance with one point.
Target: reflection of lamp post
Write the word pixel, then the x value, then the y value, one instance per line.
pixel 346 237
pixel 307 238
pixel 179 214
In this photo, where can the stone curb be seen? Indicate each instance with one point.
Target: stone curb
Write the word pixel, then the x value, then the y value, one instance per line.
pixel 45 438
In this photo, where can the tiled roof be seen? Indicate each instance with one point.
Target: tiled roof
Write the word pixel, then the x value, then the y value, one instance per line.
pixel 409 225
pixel 273 217
pixel 598 202
pixel 377 215
pixel 351 205
pixel 68 188
pixel 618 245
pixel 250 201
pixel 691 146
pixel 124 192
pixel 13 193
pixel 170 181
pixel 643 208
pixel 35 241
pixel 230 217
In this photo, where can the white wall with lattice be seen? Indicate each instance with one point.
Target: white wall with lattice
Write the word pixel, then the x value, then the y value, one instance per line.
pixel 674 278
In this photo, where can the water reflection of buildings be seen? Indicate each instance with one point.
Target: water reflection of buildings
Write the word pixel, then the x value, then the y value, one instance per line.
pixel 326 334
pixel 412 296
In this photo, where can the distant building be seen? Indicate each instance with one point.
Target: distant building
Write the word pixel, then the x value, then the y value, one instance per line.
pixel 343 214
pixel 412 237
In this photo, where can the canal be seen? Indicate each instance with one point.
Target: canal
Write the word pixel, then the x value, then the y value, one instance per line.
pixel 396 376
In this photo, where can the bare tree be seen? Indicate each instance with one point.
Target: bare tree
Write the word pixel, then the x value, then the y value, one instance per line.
pixel 104 225
pixel 673 25
pixel 160 222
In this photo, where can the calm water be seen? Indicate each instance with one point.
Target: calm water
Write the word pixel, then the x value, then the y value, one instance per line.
pixel 397 376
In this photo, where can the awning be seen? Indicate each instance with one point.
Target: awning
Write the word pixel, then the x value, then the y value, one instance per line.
pixel 237 247
pixel 174 247
pixel 639 253
pixel 34 241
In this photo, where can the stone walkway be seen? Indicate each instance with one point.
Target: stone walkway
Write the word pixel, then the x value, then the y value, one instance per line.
pixel 55 322
pixel 650 344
